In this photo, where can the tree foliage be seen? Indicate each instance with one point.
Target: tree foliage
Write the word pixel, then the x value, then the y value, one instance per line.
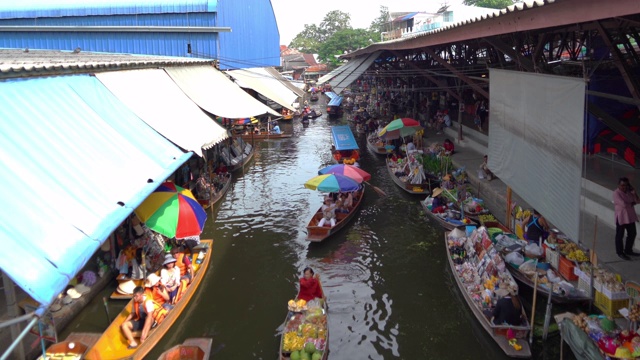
pixel 345 40
pixel 307 41
pixel 333 22
pixel 381 23
pixel 493 4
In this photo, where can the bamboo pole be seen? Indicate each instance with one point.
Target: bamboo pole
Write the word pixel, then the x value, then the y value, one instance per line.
pixel 533 307
pixel 509 207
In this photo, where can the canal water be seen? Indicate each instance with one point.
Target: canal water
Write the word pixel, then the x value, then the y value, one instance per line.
pixel 389 287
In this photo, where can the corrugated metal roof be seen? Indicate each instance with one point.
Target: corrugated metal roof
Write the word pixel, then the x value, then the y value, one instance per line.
pixel 69 146
pixel 21 63
pixel 60 8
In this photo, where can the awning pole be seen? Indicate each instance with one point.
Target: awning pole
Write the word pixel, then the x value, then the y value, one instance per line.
pixel 18 340
pixel 12 310
pixel 17 319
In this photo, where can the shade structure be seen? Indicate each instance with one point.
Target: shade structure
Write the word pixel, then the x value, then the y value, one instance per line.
pixel 172 211
pixel 350 171
pixel 400 128
pixel 332 183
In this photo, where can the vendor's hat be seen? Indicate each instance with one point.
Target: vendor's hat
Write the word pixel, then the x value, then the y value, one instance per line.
pixel 168 259
pixel 67 300
pixel 73 293
pixel 126 287
pixel 56 306
pixel 437 191
pixel 152 280
pixel 500 293
pixel 82 289
pixel 446 177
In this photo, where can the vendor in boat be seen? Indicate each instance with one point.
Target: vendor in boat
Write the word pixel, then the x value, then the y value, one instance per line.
pixel 155 291
pixel 203 187
pixel 310 287
pixel 221 168
pixel 448 147
pixel 536 227
pixel 508 310
pixel 170 278
pixel 276 130
pixel 328 212
pixel 438 204
pixel 448 182
pixel 183 263
pixel 144 312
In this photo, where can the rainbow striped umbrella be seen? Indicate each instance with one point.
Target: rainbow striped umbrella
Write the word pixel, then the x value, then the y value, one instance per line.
pixel 347 170
pixel 172 211
pixel 332 183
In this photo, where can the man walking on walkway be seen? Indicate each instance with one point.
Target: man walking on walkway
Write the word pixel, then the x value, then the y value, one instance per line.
pixel 624 200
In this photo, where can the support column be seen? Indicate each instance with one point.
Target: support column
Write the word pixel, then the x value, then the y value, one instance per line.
pixel 13 311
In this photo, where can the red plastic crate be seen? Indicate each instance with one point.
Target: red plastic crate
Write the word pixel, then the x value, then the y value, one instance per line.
pixel 566 269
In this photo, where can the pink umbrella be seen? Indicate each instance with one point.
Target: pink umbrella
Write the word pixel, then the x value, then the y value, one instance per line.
pixel 351 171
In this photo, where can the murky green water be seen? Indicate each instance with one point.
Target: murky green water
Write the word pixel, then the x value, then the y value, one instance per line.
pixel 388 284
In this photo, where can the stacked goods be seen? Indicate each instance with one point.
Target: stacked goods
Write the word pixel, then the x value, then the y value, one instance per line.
pixel 305 334
pixel 612 341
pixel 634 313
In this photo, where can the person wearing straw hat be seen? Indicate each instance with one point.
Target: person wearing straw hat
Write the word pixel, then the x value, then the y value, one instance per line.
pixel 508 309
pixel 156 291
pixel 447 183
pixel 438 204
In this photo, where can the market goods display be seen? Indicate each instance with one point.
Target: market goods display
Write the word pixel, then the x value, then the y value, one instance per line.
pixel 634 313
pixel 297 306
pixel 486 218
pixel 611 340
pixel 305 332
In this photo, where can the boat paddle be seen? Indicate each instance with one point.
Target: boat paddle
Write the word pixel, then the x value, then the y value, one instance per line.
pixel 533 307
pixel 377 189
pixel 106 308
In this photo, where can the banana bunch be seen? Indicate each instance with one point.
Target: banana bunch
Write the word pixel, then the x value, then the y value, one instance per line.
pixel 486 218
pixel 522 214
pixel 568 248
pixel 292 342
pixel 577 255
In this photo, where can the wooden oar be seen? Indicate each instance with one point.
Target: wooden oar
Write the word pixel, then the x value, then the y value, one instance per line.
pixel 376 189
pixel 533 307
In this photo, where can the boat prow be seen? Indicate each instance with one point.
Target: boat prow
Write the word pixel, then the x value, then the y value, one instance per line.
pixel 190 349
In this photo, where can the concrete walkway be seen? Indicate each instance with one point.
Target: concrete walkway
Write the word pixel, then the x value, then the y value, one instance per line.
pixel 602 177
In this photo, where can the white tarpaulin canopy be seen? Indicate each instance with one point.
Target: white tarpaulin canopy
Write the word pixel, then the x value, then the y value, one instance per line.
pixel 216 93
pixel 158 101
pixel 535 143
pixel 261 81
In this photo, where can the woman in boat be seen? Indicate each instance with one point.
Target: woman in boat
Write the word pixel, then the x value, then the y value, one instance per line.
pixel 143 314
pixel 536 227
pixel 310 287
pixel 328 212
pixel 183 263
pixel 508 310
pixel 203 187
pixel 438 205
pixel 170 278
pixel 155 291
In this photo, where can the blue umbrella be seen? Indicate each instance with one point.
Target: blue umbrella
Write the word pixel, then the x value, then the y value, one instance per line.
pixel 332 183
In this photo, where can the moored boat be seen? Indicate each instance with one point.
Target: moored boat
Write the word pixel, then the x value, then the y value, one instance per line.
pixel 113 345
pixel 317 233
pixel 449 220
pixel 190 349
pixel 216 196
pixel 404 178
pixel 474 259
pixel 73 348
pixel 264 135
pixel 237 155
pixel 345 148
pixel 375 144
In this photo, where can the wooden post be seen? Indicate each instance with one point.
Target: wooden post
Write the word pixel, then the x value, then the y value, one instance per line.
pixel 533 307
pixel 13 311
pixel 509 208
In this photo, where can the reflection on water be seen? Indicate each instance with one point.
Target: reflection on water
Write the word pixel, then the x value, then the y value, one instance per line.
pixel 388 284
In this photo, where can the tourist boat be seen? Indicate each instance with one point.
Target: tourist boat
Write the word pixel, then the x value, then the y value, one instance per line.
pixel 446 221
pixel 314 97
pixel 73 348
pixel 423 188
pixel 317 233
pixel 264 135
pixel 303 323
pixel 190 349
pixel 497 332
pixel 112 343
pixel 376 145
pixel 215 198
pixel 345 149
pixel 334 108
pixel 312 115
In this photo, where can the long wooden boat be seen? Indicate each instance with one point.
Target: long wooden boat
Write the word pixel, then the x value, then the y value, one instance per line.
pixel 376 145
pixel 318 327
pixel 264 135
pixel 245 160
pixel 190 349
pixel 311 116
pixel 317 233
pixel 217 197
pixel 423 188
pixel 73 348
pixel 445 222
pixel 112 343
pixel 496 332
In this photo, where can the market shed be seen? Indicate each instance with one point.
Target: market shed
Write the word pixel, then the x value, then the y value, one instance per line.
pixel 237 34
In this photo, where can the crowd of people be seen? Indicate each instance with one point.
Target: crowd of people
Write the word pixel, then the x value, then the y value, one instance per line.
pixel 335 203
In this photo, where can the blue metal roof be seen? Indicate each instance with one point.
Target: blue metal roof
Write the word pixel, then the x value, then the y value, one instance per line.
pixel 335 101
pixel 343 138
pixel 76 164
pixel 60 8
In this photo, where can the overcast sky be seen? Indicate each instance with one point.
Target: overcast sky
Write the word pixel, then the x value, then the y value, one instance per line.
pixel 293 15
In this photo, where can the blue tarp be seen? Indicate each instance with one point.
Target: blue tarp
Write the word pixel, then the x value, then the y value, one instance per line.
pixel 335 101
pixel 343 138
pixel 75 163
pixel 331 94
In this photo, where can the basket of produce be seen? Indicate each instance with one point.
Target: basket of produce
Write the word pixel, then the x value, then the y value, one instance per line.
pixel 297 306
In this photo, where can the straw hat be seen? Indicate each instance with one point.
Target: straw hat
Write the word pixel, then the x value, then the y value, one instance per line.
pixel 152 280
pixel 126 287
pixel 56 306
pixel 73 293
pixel 82 289
pixel 437 191
pixel 168 259
pixel 67 300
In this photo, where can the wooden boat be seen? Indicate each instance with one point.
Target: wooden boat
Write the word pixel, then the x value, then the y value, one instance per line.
pixel 345 147
pixel 313 115
pixel 424 188
pixel 240 161
pixel 112 343
pixel 317 233
pixel 496 332
pixel 190 349
pixel 214 199
pixel 314 97
pixel 73 348
pixel 264 135
pixel 318 326
pixel 349 157
pixel 376 145
pixel 444 221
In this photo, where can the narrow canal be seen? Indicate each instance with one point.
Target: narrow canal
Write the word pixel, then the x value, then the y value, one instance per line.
pixel 388 284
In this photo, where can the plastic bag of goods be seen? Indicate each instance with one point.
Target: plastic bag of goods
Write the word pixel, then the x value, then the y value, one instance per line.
pixel 533 249
pixel 514 258
pixel 528 267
